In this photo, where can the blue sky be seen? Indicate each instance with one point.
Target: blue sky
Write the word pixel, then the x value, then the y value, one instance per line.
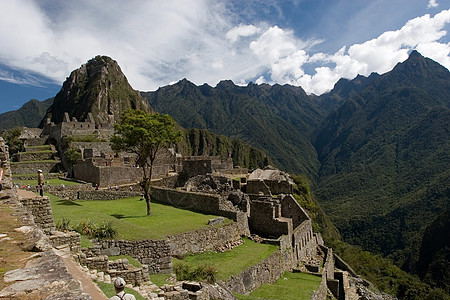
pixel 310 43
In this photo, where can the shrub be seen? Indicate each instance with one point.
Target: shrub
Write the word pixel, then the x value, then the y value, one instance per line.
pixel 63 225
pixel 201 273
pixel 102 231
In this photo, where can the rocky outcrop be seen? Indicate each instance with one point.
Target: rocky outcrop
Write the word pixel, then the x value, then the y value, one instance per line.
pixel 45 277
pixel 99 87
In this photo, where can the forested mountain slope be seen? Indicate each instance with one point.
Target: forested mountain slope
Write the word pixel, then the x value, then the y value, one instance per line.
pixel 277 119
pixel 29 115
pixel 385 159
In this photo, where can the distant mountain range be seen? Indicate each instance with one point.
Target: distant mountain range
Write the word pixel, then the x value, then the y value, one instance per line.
pixel 376 148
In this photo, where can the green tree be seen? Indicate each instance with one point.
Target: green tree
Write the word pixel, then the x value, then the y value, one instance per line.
pixel 12 140
pixel 144 134
pixel 72 155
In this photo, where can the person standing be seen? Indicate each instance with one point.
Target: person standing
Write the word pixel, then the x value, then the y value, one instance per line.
pixel 119 286
pixel 41 182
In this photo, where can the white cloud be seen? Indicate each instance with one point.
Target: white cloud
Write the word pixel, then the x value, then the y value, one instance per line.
pixel 432 4
pixel 286 57
pixel 159 42
pixel 241 31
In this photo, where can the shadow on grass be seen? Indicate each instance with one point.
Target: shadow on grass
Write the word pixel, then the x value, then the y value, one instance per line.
pixel 120 216
pixel 67 203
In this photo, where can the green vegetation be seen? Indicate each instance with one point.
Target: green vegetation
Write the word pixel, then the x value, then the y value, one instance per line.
pixel 276 119
pixel 131 260
pixel 320 221
pixel 144 134
pixel 85 242
pixel 89 228
pixel 38 147
pixel 198 142
pixel 12 140
pixel 53 181
pixel 231 262
pixel 129 218
pixel 101 231
pixel 33 161
pixel 205 273
pixel 290 286
pixel 159 279
pixel 109 291
pixel 29 115
pixel 37 151
pixel 384 274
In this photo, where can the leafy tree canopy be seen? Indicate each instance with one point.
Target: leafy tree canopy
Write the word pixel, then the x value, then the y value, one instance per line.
pixel 144 134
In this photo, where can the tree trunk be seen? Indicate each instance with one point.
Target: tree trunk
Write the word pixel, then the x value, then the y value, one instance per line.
pixel 146 187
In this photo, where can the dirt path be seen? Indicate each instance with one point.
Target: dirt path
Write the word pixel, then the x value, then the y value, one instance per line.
pixel 78 274
pixel 26 194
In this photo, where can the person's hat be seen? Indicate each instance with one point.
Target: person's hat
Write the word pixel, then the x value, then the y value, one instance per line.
pixel 40 171
pixel 119 283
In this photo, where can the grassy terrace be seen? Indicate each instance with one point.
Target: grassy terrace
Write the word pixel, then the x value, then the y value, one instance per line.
pixel 129 217
pixel 231 262
pixel 54 181
pixel 32 161
pixel 291 286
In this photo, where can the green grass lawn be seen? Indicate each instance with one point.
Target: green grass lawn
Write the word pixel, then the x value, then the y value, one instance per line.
pixel 109 291
pixel 291 286
pixel 54 181
pixel 232 262
pixel 129 217
pixel 159 279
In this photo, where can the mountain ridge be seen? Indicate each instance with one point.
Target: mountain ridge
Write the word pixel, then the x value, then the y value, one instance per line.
pixel 377 147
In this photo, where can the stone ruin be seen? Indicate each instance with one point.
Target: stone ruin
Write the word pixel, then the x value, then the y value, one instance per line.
pixel 260 203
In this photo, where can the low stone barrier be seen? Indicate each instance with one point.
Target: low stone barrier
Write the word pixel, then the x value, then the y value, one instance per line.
pixel 199 202
pixel 267 271
pixel 156 254
pixel 209 238
pixel 93 194
pixel 327 275
pixel 72 239
pixel 41 210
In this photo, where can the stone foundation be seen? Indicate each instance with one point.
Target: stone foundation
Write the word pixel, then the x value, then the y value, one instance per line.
pixel 42 212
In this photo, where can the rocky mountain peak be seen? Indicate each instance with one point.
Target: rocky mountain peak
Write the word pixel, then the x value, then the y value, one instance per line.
pixel 99 87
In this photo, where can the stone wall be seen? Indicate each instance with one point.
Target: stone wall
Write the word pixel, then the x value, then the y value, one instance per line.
pixel 42 212
pixel 267 271
pixel 34 155
pixel 5 165
pixel 291 209
pixel 303 240
pixel 94 194
pixel 265 219
pixel 209 238
pixel 199 202
pixel 97 147
pixel 68 188
pixel 72 239
pixel 156 254
pixel 328 280
pixel 27 167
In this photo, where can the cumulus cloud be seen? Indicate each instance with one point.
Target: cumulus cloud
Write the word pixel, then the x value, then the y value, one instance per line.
pixel 286 56
pixel 159 42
